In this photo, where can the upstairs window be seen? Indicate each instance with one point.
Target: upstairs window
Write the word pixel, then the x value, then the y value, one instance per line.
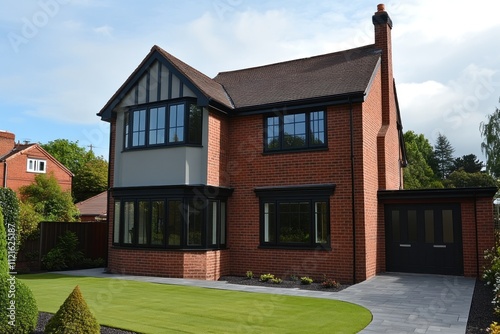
pixel 295 131
pixel 37 166
pixel 163 125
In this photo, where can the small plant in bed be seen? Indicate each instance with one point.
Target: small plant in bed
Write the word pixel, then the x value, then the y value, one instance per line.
pixel 306 280
pixel 266 277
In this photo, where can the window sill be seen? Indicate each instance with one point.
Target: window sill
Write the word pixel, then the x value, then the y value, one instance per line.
pixel 298 248
pixel 301 150
pixel 171 249
pixel 156 147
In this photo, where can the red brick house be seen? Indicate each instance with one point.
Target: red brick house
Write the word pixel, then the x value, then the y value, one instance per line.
pixel 20 163
pixel 289 168
pixel 94 208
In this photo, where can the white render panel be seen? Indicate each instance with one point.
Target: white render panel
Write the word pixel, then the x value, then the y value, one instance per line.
pixel 160 166
pixel 153 82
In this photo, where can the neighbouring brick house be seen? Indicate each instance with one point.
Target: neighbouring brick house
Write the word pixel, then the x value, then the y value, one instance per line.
pixel 290 168
pixel 20 163
pixel 94 208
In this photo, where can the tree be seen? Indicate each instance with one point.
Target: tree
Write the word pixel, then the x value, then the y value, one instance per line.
pixel 47 199
pixel 490 131
pixel 468 163
pixel 90 172
pixel 443 157
pixel 418 174
pixel 68 153
pixel 90 180
pixel 463 179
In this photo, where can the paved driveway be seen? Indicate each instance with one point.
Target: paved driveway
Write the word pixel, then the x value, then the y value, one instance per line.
pixel 400 303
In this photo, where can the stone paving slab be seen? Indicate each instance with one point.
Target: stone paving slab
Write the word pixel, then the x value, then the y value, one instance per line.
pixel 399 303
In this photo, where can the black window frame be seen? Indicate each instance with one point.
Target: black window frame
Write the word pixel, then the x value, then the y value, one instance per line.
pixel 191 136
pixel 186 207
pixel 310 194
pixel 281 135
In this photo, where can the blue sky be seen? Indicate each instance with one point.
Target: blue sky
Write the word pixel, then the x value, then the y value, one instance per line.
pixel 63 59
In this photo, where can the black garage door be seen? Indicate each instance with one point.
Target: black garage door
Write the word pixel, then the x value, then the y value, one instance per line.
pixel 424 239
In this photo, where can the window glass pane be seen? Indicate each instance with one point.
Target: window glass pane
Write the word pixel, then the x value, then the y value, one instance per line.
pixel 143 223
pixel 269 222
pixel 212 223
pixel 321 222
pixel 174 228
pixel 273 133
pixel 116 223
pixel 412 225
pixel 41 166
pixel 128 222
pixel 157 126
pixel 396 234
pixel 429 226
pixel 157 223
pixel 195 124
pixel 139 128
pixel 294 127
pixel 448 226
pixel 127 134
pixel 223 223
pixel 317 124
pixel 294 222
pixel 194 227
pixel 176 125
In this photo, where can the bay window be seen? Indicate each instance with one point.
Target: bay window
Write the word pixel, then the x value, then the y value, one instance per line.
pixel 171 123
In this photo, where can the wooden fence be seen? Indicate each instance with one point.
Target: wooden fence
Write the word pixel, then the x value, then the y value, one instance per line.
pixel 92 237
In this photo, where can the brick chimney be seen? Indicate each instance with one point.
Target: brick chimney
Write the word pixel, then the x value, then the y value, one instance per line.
pixel 383 27
pixel 7 142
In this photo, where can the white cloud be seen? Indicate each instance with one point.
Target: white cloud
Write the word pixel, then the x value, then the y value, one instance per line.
pixel 104 30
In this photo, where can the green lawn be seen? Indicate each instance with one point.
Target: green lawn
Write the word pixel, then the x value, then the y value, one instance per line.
pixel 159 308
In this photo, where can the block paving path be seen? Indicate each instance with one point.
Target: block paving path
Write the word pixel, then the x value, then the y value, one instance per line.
pixel 400 303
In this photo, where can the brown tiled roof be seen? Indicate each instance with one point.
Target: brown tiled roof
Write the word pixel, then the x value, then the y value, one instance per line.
pixel 94 205
pixel 210 88
pixel 326 75
pixel 17 148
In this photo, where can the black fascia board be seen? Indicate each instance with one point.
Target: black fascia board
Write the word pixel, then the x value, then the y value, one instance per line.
pixel 445 193
pixel 302 190
pixel 172 191
pixel 356 97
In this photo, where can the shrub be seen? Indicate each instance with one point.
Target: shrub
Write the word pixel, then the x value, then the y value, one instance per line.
pixel 266 277
pixel 73 317
pixel 249 274
pixel 491 273
pixel 4 263
pixel 10 208
pixel 330 283
pixel 20 317
pixel 65 255
pixel 494 328
pixel 294 278
pixel 276 280
pixel 306 280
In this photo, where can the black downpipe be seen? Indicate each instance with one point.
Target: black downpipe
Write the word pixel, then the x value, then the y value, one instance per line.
pixel 353 204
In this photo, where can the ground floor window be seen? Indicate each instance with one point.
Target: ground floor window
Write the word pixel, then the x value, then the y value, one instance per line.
pixel 297 216
pixel 178 219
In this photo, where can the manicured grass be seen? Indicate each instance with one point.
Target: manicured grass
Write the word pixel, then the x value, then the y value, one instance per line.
pixel 159 308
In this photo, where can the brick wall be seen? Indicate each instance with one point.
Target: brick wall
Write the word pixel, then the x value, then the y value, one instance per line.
pixel 218 137
pixel 18 176
pixel 7 142
pixel 206 265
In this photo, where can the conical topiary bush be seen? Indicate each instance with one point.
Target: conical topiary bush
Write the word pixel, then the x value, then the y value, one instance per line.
pixel 73 317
